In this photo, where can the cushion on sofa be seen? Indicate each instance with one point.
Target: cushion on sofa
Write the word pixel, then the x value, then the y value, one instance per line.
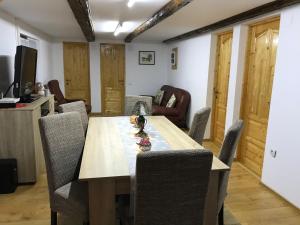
pixel 172 101
pixel 158 97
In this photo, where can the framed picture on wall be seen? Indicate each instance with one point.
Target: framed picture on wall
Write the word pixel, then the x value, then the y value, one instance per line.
pixel 174 58
pixel 147 57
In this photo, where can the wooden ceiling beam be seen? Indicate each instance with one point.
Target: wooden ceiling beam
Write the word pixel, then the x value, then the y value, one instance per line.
pixel 82 14
pixel 167 10
pixel 250 14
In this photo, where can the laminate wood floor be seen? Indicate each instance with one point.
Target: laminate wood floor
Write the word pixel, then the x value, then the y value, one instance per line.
pixel 249 201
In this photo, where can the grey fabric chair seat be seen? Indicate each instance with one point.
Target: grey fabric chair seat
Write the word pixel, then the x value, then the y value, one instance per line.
pixel 72 199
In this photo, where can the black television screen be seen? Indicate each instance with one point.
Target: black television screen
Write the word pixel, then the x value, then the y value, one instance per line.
pixel 25 71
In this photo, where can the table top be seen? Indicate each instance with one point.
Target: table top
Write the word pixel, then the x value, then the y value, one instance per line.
pixel 104 156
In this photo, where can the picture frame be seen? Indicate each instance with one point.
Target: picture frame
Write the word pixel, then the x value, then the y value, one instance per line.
pixel 174 58
pixel 146 57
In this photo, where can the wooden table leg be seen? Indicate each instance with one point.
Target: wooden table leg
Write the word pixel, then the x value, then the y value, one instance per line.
pixel 102 202
pixel 211 205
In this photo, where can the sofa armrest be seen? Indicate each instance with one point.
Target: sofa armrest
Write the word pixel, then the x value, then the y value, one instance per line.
pixel 161 110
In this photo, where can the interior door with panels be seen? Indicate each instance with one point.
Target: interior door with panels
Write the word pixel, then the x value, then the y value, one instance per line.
pixel 112 79
pixel 258 82
pixel 77 71
pixel 222 73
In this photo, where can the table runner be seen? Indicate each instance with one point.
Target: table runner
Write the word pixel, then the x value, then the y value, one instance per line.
pixel 127 131
pixel 129 141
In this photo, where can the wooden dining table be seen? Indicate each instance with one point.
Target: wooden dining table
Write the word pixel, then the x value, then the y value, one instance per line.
pixel 105 165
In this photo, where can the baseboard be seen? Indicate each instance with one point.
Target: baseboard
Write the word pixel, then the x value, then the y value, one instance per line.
pixel 266 186
pixel 283 198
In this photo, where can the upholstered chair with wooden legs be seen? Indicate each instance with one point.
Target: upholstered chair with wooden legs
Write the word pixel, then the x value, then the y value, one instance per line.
pixel 199 124
pixel 60 98
pixel 76 107
pixel 170 187
pixel 227 153
pixel 63 141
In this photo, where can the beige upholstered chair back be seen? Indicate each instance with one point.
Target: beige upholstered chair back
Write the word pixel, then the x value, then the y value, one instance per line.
pixel 78 106
pixel 131 100
pixel 171 187
pixel 63 141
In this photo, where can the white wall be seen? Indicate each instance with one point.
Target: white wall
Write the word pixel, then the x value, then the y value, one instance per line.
pixel 282 173
pixel 140 79
pixel 145 79
pixel 194 66
pixel 195 74
pixel 8 43
pixel 235 84
pixel 58 64
pixel 10 29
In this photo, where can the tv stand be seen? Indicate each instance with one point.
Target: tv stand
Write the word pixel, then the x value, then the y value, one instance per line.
pixel 20 137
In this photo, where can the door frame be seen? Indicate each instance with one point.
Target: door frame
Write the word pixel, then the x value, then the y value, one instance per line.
pixel 245 78
pixel 212 124
pixel 101 77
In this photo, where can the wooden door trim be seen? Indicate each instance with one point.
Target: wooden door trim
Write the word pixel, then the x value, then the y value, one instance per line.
pixel 101 77
pixel 246 75
pixel 88 58
pixel 215 82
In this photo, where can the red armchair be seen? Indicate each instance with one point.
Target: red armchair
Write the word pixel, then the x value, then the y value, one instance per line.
pixel 59 97
pixel 178 114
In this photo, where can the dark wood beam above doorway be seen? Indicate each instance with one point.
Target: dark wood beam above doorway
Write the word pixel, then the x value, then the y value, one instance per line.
pixel 166 11
pixel 81 12
pixel 250 14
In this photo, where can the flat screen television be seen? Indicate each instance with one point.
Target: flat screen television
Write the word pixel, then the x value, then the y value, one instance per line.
pixel 25 72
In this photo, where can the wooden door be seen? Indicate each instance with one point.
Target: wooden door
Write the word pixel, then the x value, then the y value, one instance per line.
pixel 221 87
pixel 76 71
pixel 112 58
pixel 263 39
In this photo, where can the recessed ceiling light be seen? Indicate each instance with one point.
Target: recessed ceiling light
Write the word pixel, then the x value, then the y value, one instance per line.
pixel 130 3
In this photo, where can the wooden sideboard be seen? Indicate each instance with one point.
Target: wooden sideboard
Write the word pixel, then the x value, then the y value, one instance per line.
pixel 20 137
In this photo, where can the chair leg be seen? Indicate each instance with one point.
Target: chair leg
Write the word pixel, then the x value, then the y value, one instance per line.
pixel 53 218
pixel 221 216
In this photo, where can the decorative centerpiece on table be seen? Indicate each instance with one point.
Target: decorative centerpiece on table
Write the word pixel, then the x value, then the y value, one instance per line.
pixel 145 144
pixel 140 122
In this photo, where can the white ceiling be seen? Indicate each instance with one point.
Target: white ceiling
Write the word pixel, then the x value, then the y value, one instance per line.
pixel 197 14
pixel 55 17
pixel 107 13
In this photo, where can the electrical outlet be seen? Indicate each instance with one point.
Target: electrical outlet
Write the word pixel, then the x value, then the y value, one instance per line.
pixel 273 153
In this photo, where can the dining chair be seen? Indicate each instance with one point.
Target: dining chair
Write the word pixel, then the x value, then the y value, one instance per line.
pixel 170 187
pixel 78 106
pixel 199 124
pixel 63 141
pixel 131 101
pixel 226 155
pixel 141 108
